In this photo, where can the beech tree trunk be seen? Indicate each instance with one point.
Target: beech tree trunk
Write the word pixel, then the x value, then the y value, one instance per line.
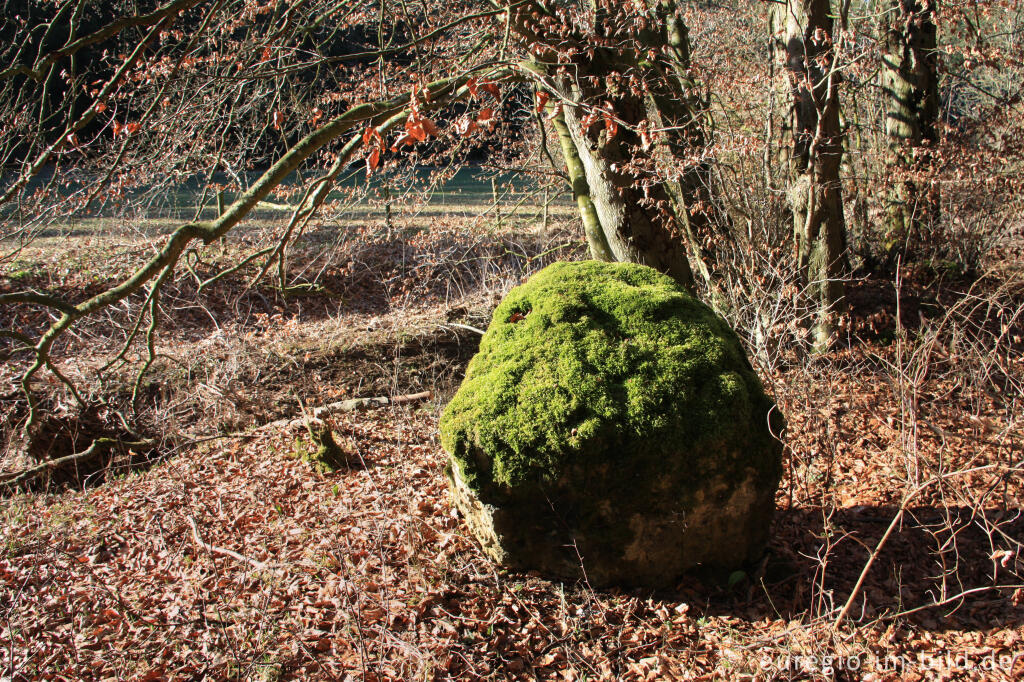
pixel 812 140
pixel 632 220
pixel 676 107
pixel 909 84
pixel 618 140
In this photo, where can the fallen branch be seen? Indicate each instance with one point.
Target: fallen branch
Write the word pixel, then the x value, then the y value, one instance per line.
pixel 949 600
pixel 99 446
pixel 346 406
pixel 361 403
pixel 475 330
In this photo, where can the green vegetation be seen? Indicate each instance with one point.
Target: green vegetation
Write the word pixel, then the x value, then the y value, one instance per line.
pixel 588 356
pixel 323 451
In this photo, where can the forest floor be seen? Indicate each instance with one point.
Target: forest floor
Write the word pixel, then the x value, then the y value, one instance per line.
pixel 219 552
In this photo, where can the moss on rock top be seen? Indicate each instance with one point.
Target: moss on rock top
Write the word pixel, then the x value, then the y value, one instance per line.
pixel 589 360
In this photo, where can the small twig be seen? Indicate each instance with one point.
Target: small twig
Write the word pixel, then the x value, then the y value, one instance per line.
pixel 949 600
pixel 213 549
pixel 235 268
pixel 481 332
pixel 888 532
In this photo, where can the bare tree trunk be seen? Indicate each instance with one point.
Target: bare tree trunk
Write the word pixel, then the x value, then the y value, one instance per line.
pixel 910 86
pixel 599 247
pixel 631 211
pixel 636 218
pixel 813 140
pixel 676 107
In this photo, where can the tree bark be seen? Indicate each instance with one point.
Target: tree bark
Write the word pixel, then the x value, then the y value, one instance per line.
pixel 676 108
pixel 813 142
pixel 632 210
pixel 636 215
pixel 600 249
pixel 909 85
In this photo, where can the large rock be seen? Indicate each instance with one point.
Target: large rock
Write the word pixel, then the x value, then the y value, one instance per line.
pixel 611 427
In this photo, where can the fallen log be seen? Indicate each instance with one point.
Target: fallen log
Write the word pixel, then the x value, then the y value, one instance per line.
pixel 346 406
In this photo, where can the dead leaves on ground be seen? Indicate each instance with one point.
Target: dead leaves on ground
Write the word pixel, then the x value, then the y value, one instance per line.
pixel 368 574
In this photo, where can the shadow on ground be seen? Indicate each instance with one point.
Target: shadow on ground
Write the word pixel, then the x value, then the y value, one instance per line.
pixel 933 556
pixel 269 390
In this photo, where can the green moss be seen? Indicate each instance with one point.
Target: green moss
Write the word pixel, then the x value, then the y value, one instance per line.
pixel 587 357
pixel 323 450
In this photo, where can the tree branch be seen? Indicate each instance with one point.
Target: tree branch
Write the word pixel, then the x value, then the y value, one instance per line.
pixel 98 446
pixel 163 262
pixel 39 70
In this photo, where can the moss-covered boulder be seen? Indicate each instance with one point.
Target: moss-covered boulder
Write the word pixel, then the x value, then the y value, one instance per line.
pixel 611 427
